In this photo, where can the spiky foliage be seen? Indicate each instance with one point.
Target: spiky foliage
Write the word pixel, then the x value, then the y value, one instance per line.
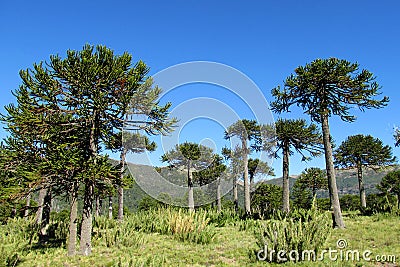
pixel 306 186
pixel 192 157
pixel 256 167
pixel 390 184
pixel 327 87
pixel 290 135
pixel 359 151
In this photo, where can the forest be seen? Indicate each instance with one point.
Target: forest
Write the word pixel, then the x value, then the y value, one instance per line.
pixel 66 202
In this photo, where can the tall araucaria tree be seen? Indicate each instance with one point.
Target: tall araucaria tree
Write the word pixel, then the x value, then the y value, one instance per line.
pixel 92 88
pixel 288 135
pixel 363 151
pixel 323 88
pixel 246 131
pixel 234 157
pixel 192 157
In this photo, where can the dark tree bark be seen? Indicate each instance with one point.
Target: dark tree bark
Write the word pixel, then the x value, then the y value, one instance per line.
pixel 285 178
pixel 330 173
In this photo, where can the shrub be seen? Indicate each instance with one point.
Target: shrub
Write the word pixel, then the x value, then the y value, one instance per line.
pixel 303 231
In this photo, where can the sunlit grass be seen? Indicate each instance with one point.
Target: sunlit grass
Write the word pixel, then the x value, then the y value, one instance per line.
pixel 231 245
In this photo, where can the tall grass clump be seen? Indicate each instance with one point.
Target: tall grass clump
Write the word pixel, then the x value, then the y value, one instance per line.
pixel 112 233
pixel 181 224
pixel 303 231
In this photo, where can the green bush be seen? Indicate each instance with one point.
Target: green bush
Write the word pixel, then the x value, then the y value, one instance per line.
pixel 302 231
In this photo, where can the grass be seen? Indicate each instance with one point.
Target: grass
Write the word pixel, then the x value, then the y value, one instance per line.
pixel 231 245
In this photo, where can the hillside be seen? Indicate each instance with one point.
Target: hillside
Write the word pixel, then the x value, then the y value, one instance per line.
pixel 347 181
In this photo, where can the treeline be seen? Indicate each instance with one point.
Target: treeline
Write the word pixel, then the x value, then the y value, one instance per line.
pixel 69 111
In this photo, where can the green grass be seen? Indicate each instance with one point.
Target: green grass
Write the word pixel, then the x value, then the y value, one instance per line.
pixel 232 244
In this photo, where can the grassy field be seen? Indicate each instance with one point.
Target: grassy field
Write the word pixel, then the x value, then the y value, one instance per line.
pixel 233 244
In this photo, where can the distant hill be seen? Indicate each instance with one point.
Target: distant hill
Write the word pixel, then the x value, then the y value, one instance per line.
pixel 347 181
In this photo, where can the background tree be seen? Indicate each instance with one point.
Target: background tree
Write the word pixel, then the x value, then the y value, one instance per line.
pixel 306 186
pixel 390 184
pixel 212 173
pixel 323 88
pixel 246 131
pixel 359 151
pixel 235 170
pixel 257 166
pixel 289 135
pixel 266 199
pixel 192 157
pixel 126 142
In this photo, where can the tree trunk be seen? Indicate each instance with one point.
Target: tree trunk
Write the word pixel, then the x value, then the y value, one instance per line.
pixel 246 178
pixel 120 188
pixel 46 211
pixel 86 228
pixel 190 185
pixel 73 220
pixel 330 173
pixel 39 212
pixel 285 179
pixel 110 208
pixel 363 200
pixel 219 194
pixel 27 206
pixel 235 194
pixel 97 210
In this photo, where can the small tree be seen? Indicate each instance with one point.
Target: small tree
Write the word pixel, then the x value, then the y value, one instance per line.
pixel 306 186
pixel 267 198
pixel 193 157
pixel 288 135
pixel 391 184
pixel 359 151
pixel 212 173
pixel 256 167
pixel 323 88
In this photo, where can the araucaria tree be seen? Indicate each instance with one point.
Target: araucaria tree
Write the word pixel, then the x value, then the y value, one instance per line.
pixel 289 136
pixel 306 186
pixel 77 104
pixel 246 131
pixel 192 157
pixel 390 184
pixel 359 151
pixel 323 88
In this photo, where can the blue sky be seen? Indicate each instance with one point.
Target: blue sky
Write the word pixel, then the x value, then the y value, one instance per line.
pixel 265 40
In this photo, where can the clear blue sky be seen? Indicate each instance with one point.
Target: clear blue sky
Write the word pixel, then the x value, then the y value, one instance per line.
pixel 265 40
